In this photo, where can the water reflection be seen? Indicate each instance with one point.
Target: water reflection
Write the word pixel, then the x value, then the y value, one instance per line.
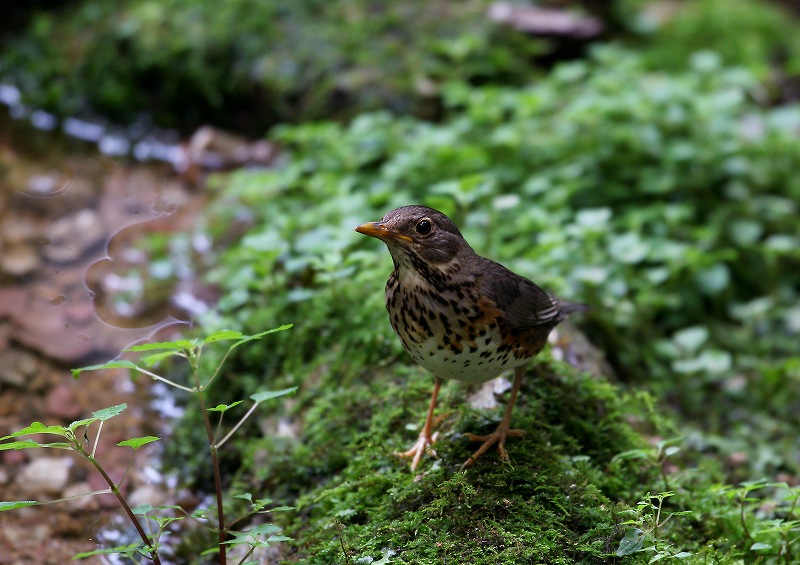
pixel 75 264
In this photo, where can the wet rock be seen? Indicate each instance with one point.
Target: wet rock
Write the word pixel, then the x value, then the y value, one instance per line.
pixel 12 300
pixel 18 229
pixel 484 397
pixel 80 502
pixel 18 367
pixel 45 475
pixel 147 494
pixel 70 237
pixel 40 330
pixel 18 260
pixel 5 334
pixel 214 149
pixel 61 402
pixel 545 22
pixel 56 192
pixel 12 458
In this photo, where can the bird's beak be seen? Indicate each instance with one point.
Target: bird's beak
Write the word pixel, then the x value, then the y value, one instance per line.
pixel 381 231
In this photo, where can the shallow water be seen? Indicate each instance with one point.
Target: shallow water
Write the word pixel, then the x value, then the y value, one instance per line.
pixel 95 254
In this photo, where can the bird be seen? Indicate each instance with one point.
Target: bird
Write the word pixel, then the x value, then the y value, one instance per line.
pixel 459 315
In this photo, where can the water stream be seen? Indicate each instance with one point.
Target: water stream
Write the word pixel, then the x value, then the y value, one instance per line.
pixel 95 252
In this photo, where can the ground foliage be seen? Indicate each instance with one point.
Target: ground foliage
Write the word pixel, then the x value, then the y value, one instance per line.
pixel 666 201
pixel 248 64
pixel 767 42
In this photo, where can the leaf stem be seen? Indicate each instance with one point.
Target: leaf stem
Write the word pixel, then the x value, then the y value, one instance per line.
pixel 238 425
pixel 153 550
pixel 212 446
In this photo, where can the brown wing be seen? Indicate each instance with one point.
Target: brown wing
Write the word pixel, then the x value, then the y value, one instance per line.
pixel 523 303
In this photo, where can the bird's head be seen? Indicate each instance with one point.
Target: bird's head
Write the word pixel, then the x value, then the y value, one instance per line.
pixel 414 233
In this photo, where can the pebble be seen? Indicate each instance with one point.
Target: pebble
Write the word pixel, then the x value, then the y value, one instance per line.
pixel 61 402
pixel 147 494
pixel 69 237
pixel 19 259
pixel 18 367
pixel 45 475
pixel 81 502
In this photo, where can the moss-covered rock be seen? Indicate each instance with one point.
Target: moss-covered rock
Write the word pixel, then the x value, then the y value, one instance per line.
pixel 557 501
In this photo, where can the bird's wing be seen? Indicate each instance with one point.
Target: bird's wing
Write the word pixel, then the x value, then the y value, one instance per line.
pixel 523 303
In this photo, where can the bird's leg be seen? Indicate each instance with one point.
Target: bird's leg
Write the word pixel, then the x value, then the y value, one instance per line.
pixel 502 432
pixel 425 438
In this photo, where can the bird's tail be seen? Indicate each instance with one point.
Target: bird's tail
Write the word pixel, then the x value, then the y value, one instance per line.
pixel 568 308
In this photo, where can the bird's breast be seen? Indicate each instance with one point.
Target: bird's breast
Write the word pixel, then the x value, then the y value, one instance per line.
pixel 452 331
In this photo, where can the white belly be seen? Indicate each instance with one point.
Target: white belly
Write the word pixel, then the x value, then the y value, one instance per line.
pixel 468 365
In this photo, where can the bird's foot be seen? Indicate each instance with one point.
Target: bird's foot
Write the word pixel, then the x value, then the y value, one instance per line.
pixel 422 445
pixel 496 437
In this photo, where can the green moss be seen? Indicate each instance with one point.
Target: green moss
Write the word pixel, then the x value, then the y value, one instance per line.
pixel 555 502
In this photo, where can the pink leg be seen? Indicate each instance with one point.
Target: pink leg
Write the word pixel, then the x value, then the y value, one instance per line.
pixel 425 439
pixel 502 432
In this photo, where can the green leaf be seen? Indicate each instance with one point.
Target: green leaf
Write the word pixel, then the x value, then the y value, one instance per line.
pixel 260 335
pixel 117 364
pixel 628 248
pixel 38 428
pixel 224 407
pixel 713 279
pixel 142 509
pixel 14 445
pixel 632 542
pixel 690 339
pixel 129 549
pixel 632 454
pixel 13 505
pixel 79 423
pixel 151 360
pixel 179 345
pixel 759 546
pixel 108 413
pixel 223 335
pixel 263 530
pixel 268 394
pixel 137 442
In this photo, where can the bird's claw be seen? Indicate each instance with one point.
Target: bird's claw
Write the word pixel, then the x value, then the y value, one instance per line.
pixel 422 445
pixel 497 437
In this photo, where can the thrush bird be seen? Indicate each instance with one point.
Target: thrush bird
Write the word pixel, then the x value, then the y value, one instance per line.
pixel 461 316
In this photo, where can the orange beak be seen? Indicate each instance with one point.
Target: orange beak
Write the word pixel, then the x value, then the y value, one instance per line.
pixel 381 231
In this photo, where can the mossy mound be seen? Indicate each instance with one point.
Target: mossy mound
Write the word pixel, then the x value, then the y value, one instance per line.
pixel 555 502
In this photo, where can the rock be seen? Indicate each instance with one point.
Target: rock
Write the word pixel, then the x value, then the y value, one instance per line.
pixel 45 475
pixel 147 494
pixel 484 398
pixel 19 259
pixel 70 237
pixel 18 228
pixel 61 402
pixel 545 22
pixel 41 330
pixel 18 367
pixel 81 502
pixel 12 300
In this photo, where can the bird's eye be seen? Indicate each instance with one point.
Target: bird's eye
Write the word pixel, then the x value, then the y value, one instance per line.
pixel 424 226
